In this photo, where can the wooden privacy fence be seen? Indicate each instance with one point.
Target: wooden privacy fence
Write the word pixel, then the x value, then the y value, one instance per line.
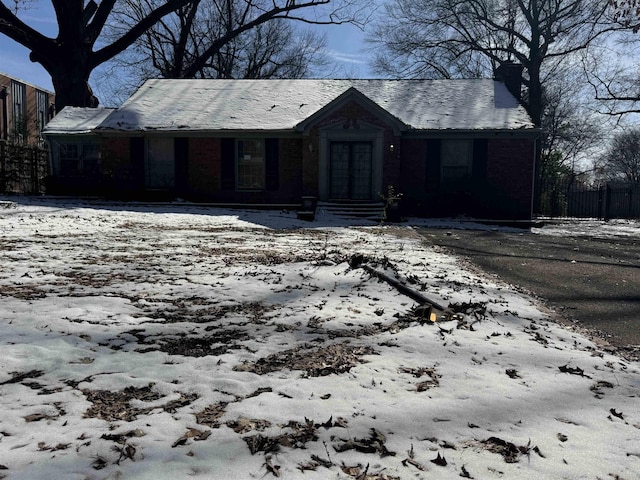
pixel 614 200
pixel 23 169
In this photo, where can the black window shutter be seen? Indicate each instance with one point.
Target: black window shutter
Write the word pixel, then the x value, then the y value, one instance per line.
pixel 181 155
pixel 136 150
pixel 432 173
pixel 272 164
pixel 228 163
pixel 479 167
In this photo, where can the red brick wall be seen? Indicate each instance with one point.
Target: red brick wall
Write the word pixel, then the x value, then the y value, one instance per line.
pixel 510 171
pixel 115 154
pixel 392 162
pixel 311 164
pixel 413 169
pixel 31 110
pixel 291 168
pixel 204 166
pixel 505 192
pixel 205 170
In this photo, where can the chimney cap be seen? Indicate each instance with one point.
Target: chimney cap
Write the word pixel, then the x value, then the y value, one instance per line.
pixel 507 69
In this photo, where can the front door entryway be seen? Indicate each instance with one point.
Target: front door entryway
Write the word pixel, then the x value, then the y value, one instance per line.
pixel 350 171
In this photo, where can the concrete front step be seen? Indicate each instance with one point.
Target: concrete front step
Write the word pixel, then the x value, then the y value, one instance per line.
pixel 370 210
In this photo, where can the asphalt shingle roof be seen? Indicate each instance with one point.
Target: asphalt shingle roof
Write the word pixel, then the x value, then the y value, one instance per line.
pixel 281 105
pixel 76 120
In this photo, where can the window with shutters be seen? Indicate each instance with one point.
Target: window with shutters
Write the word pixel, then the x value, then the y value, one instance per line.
pixel 456 160
pixel 250 164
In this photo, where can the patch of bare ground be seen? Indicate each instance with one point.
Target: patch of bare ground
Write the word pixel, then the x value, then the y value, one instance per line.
pixel 85 278
pixel 219 343
pixel 114 406
pixel 297 434
pixel 9 244
pixel 315 362
pixel 432 381
pixel 22 292
pixel 200 310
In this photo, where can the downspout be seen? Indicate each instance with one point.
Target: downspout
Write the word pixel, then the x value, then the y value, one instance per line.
pixel 5 117
pixel 4 136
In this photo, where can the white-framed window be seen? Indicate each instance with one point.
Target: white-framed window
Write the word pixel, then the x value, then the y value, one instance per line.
pixel 456 159
pixel 250 164
pixel 78 159
pixel 19 112
pixel 42 112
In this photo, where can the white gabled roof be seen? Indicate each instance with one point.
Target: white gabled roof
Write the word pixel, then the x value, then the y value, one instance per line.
pixel 282 105
pixel 76 121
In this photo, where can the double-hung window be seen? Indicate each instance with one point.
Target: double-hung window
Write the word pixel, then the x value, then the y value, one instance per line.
pixel 456 160
pixel 79 159
pixel 250 164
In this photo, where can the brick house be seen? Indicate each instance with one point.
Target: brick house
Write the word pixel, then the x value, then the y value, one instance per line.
pixel 450 147
pixel 24 111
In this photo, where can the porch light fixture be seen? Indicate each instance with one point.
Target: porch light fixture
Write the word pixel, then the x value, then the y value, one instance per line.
pixel 310 147
pixel 391 148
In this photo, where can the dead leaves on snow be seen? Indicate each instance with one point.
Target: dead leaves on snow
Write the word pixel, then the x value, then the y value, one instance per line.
pixel 360 473
pixel 296 436
pixel 315 362
pixel 17 377
pixel 192 433
pixel 573 371
pixel 113 406
pixel 509 451
pixel 217 344
pixel 375 443
pixel 211 415
pixel 433 381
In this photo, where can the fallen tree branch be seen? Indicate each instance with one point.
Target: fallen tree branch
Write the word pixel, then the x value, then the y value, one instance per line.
pixel 356 261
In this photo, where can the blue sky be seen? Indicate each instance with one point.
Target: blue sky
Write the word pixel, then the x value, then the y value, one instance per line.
pixel 344 44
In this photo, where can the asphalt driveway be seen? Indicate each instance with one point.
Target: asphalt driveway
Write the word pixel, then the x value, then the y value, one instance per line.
pixel 593 281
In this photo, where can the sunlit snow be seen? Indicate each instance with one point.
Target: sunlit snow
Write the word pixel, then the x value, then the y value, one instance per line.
pixel 182 341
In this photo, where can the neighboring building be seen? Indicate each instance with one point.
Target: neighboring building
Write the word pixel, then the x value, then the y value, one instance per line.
pixel 75 151
pixel 450 147
pixel 24 111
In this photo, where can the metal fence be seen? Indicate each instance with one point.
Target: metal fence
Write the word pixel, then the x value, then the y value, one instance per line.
pixel 23 169
pixel 568 199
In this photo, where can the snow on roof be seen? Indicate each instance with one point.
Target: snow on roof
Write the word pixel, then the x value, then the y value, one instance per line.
pixel 272 105
pixel 76 120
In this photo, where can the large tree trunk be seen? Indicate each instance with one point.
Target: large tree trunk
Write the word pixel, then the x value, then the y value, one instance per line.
pixel 70 69
pixel 72 90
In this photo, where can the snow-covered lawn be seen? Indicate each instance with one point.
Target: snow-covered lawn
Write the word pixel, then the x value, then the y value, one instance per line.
pixel 189 342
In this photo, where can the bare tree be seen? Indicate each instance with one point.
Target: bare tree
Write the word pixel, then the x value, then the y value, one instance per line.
pixel 571 130
pixel 461 38
pixel 469 38
pixel 273 49
pixel 627 13
pixel 80 47
pixel 621 161
pixel 610 69
pixel 70 57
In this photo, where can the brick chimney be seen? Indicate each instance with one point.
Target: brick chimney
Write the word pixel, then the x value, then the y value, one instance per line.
pixel 510 74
